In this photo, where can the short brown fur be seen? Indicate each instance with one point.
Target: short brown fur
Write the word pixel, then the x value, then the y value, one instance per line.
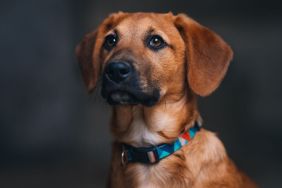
pixel 194 64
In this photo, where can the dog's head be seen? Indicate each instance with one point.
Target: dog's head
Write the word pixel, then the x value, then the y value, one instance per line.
pixel 141 58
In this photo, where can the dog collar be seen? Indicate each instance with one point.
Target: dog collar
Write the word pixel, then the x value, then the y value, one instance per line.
pixel 153 154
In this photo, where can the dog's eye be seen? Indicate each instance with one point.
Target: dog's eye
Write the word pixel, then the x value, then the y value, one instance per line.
pixel 110 41
pixel 156 42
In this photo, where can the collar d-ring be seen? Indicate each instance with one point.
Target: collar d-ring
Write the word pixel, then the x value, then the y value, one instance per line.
pixel 124 158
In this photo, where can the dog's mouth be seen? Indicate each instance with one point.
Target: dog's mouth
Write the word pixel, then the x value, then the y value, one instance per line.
pixel 125 97
pixel 121 97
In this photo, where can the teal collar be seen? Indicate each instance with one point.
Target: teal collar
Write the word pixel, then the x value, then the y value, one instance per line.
pixel 153 154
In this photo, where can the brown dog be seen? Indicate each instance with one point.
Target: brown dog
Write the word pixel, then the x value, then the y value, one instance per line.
pixel 152 68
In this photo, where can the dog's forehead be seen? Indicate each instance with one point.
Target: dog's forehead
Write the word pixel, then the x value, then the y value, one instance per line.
pixel 138 24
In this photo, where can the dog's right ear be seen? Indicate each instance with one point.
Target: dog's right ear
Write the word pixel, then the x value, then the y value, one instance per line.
pixel 208 55
pixel 84 52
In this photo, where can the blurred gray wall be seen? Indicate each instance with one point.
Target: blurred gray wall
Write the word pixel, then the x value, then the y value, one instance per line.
pixel 52 133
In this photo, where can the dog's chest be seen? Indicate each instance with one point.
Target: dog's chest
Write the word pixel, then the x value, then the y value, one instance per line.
pixel 139 134
pixel 164 175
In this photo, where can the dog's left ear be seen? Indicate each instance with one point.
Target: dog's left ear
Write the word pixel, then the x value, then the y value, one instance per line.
pixel 84 52
pixel 88 50
pixel 208 56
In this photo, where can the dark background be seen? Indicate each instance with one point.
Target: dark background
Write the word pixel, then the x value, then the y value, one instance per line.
pixel 53 134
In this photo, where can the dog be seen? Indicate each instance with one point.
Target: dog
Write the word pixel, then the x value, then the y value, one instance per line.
pixel 152 67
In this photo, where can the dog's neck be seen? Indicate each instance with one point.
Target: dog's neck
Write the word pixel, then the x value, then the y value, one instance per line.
pixel 142 126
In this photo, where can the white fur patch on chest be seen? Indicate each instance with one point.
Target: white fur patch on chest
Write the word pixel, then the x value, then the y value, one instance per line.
pixel 139 134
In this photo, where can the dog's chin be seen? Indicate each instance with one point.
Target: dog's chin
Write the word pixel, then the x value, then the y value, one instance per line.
pixel 120 97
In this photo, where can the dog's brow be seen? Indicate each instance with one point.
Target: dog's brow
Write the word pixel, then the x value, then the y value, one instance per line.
pixel 150 31
pixel 113 31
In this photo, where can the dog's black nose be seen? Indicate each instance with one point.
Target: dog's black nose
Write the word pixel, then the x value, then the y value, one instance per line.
pixel 118 71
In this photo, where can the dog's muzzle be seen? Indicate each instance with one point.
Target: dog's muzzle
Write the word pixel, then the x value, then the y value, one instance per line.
pixel 121 85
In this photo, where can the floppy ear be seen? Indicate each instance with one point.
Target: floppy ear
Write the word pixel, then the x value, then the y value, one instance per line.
pixel 88 50
pixel 84 52
pixel 208 56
